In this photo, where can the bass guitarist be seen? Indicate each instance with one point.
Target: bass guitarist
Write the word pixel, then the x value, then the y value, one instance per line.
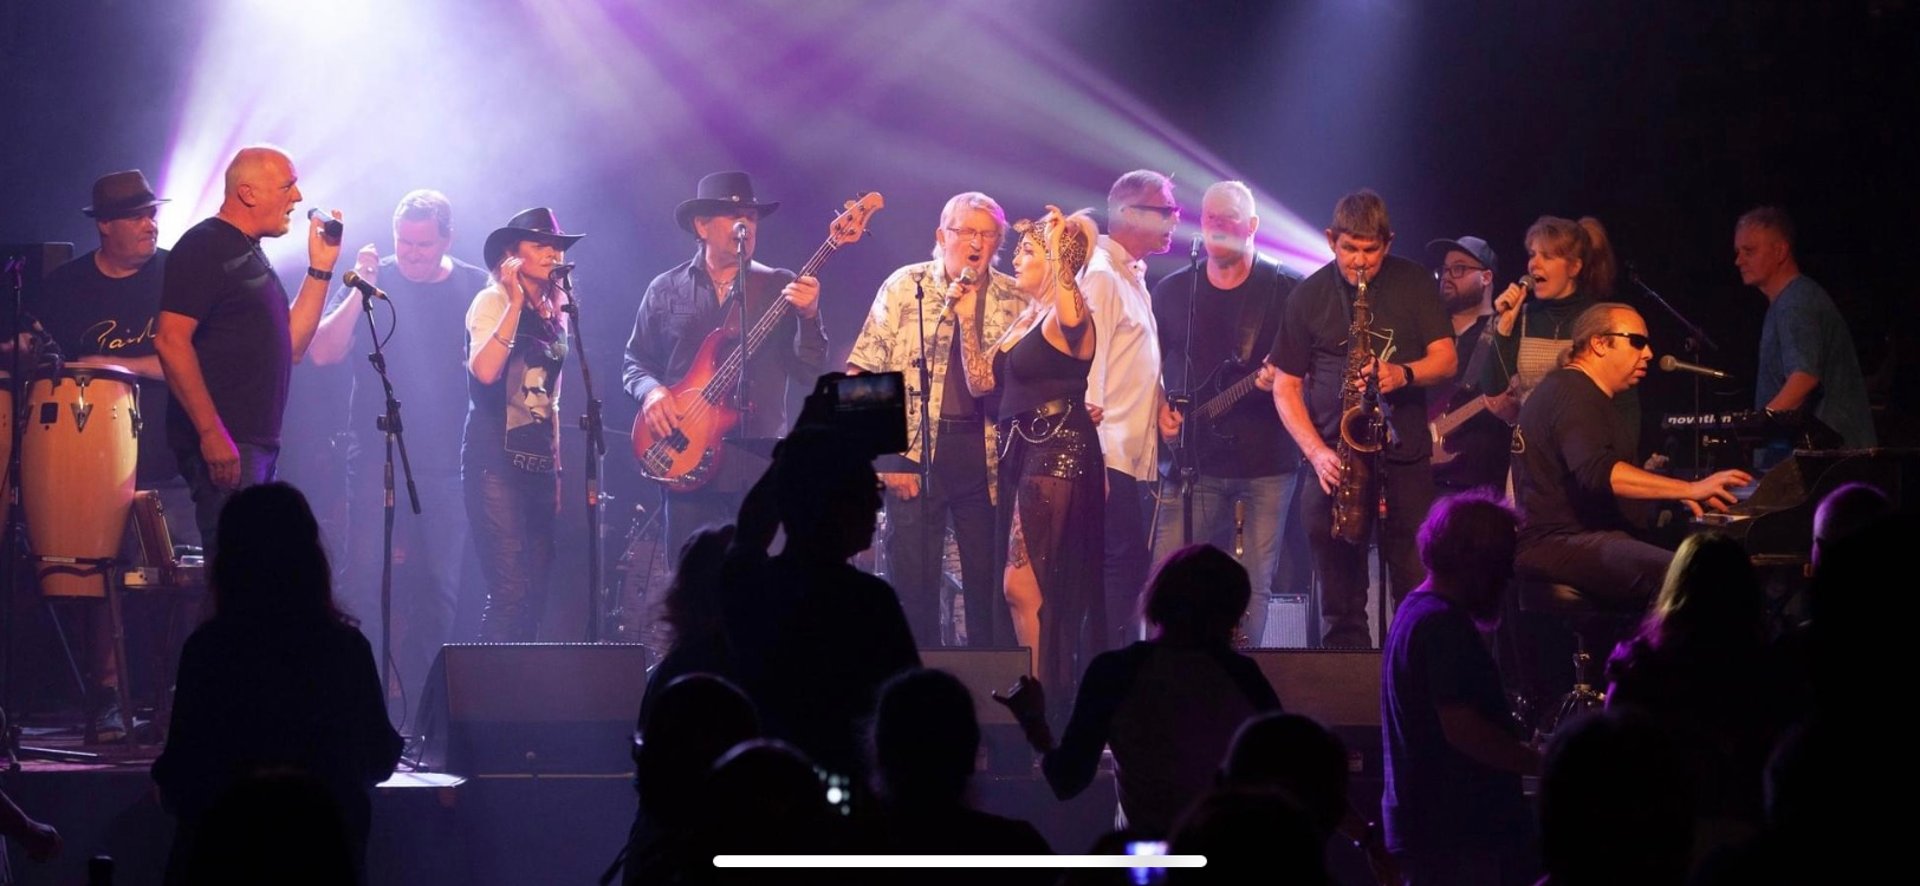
pixel 685 304
pixel 1216 323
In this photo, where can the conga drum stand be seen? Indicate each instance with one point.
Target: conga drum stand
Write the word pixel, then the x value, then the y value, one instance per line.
pixel 14 555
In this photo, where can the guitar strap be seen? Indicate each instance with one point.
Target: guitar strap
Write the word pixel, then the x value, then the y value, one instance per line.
pixel 1253 311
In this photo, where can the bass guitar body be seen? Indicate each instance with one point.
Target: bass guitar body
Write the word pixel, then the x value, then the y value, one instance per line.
pixel 686 459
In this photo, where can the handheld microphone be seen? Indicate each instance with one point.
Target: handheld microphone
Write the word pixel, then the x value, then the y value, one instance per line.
pixel 367 290
pixel 328 224
pixel 1670 364
pixel 1526 284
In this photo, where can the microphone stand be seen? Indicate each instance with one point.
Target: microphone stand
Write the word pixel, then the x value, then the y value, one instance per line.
pixel 594 427
pixel 1696 337
pixel 17 546
pixel 1189 471
pixel 926 426
pixel 739 296
pixel 389 424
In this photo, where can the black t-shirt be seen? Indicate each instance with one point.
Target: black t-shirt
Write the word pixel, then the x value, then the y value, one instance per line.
pixel 1407 315
pixel 219 276
pixel 1481 443
pixel 426 358
pixel 1247 440
pixel 90 314
pixel 1564 450
pixel 1437 798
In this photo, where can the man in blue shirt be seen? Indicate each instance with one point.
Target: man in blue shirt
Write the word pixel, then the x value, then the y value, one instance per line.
pixel 1807 363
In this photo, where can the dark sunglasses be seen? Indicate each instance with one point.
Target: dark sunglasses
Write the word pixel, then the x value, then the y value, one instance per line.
pixel 1634 339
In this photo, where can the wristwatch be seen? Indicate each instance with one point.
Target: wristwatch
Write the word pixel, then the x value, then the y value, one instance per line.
pixel 318 274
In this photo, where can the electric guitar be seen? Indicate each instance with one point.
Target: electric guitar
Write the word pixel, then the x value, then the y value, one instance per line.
pixel 1443 427
pixel 687 458
pixel 1200 418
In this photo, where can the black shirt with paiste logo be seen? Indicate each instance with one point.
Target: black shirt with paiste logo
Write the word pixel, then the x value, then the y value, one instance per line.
pixel 90 314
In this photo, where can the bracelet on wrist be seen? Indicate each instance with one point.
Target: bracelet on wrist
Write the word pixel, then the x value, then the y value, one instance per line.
pixel 507 342
pixel 318 274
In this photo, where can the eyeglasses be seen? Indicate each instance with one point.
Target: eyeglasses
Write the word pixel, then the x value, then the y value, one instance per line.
pixel 1634 339
pixel 1169 213
pixel 1458 271
pixel 970 235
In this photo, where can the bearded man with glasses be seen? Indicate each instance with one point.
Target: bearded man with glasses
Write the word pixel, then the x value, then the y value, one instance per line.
pixel 1474 451
pixel 949 310
pixel 1573 465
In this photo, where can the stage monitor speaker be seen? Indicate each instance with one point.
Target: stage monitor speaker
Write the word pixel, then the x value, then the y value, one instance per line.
pixel 1338 688
pixel 546 708
pixel 986 670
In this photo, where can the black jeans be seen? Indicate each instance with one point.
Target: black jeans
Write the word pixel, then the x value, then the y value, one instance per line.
pixel 1342 567
pixel 512 512
pixel 957 486
pixel 1129 514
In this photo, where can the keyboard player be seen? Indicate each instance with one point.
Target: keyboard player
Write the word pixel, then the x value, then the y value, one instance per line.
pixel 1573 468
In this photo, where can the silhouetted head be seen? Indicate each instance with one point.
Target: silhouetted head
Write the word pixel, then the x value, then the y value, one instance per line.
pixel 692 605
pixel 270 562
pixel 1616 802
pixel 1845 511
pixel 925 738
pixel 1711 599
pixel 696 719
pixel 1197 596
pixel 764 795
pixel 828 493
pixel 277 826
pixel 1247 829
pixel 1467 544
pixel 1295 754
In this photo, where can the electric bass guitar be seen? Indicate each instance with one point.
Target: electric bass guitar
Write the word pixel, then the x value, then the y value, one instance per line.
pixel 1200 418
pixel 687 458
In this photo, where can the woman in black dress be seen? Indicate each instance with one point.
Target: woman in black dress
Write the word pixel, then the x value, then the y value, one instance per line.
pixel 1051 472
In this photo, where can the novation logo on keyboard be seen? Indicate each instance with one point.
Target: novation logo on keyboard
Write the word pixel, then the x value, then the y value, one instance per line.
pixel 1741 418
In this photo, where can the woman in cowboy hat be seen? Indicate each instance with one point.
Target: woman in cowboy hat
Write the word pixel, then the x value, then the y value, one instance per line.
pixel 516 344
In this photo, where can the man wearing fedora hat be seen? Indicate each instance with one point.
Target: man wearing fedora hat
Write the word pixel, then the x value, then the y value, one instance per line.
pixel 99 308
pixel 682 306
pixel 510 451
pixel 227 335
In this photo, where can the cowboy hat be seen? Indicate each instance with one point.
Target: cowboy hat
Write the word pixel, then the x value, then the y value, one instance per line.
pixel 720 193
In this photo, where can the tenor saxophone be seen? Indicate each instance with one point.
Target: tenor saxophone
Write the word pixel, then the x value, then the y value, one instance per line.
pixel 1361 428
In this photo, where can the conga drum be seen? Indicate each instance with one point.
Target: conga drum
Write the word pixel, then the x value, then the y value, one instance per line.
pixel 77 457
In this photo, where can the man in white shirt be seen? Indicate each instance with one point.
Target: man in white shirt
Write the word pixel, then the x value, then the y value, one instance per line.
pixel 1124 391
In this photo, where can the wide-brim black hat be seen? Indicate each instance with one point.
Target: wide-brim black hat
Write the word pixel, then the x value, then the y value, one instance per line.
pixel 536 224
pixel 119 194
pixel 720 193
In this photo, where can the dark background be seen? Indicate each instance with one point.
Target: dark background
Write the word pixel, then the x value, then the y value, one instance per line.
pixel 1665 120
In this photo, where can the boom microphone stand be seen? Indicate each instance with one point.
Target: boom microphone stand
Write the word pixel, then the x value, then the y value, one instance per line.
pixel 562 279
pixel 389 424
pixel 1696 339
pixel 926 424
pixel 1189 471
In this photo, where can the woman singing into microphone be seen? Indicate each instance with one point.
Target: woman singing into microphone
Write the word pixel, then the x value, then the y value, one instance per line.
pixel 516 344
pixel 1572 266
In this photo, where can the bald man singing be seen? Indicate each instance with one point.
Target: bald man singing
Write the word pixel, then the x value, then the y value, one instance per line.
pixel 227 336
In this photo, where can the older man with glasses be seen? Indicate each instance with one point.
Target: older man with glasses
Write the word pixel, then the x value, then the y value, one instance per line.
pixel 1124 389
pixel 943 315
pixel 1573 466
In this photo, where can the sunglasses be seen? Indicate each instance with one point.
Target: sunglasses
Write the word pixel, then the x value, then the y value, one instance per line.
pixel 1634 339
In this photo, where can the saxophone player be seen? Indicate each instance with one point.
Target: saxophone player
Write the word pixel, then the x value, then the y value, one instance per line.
pixel 1333 362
